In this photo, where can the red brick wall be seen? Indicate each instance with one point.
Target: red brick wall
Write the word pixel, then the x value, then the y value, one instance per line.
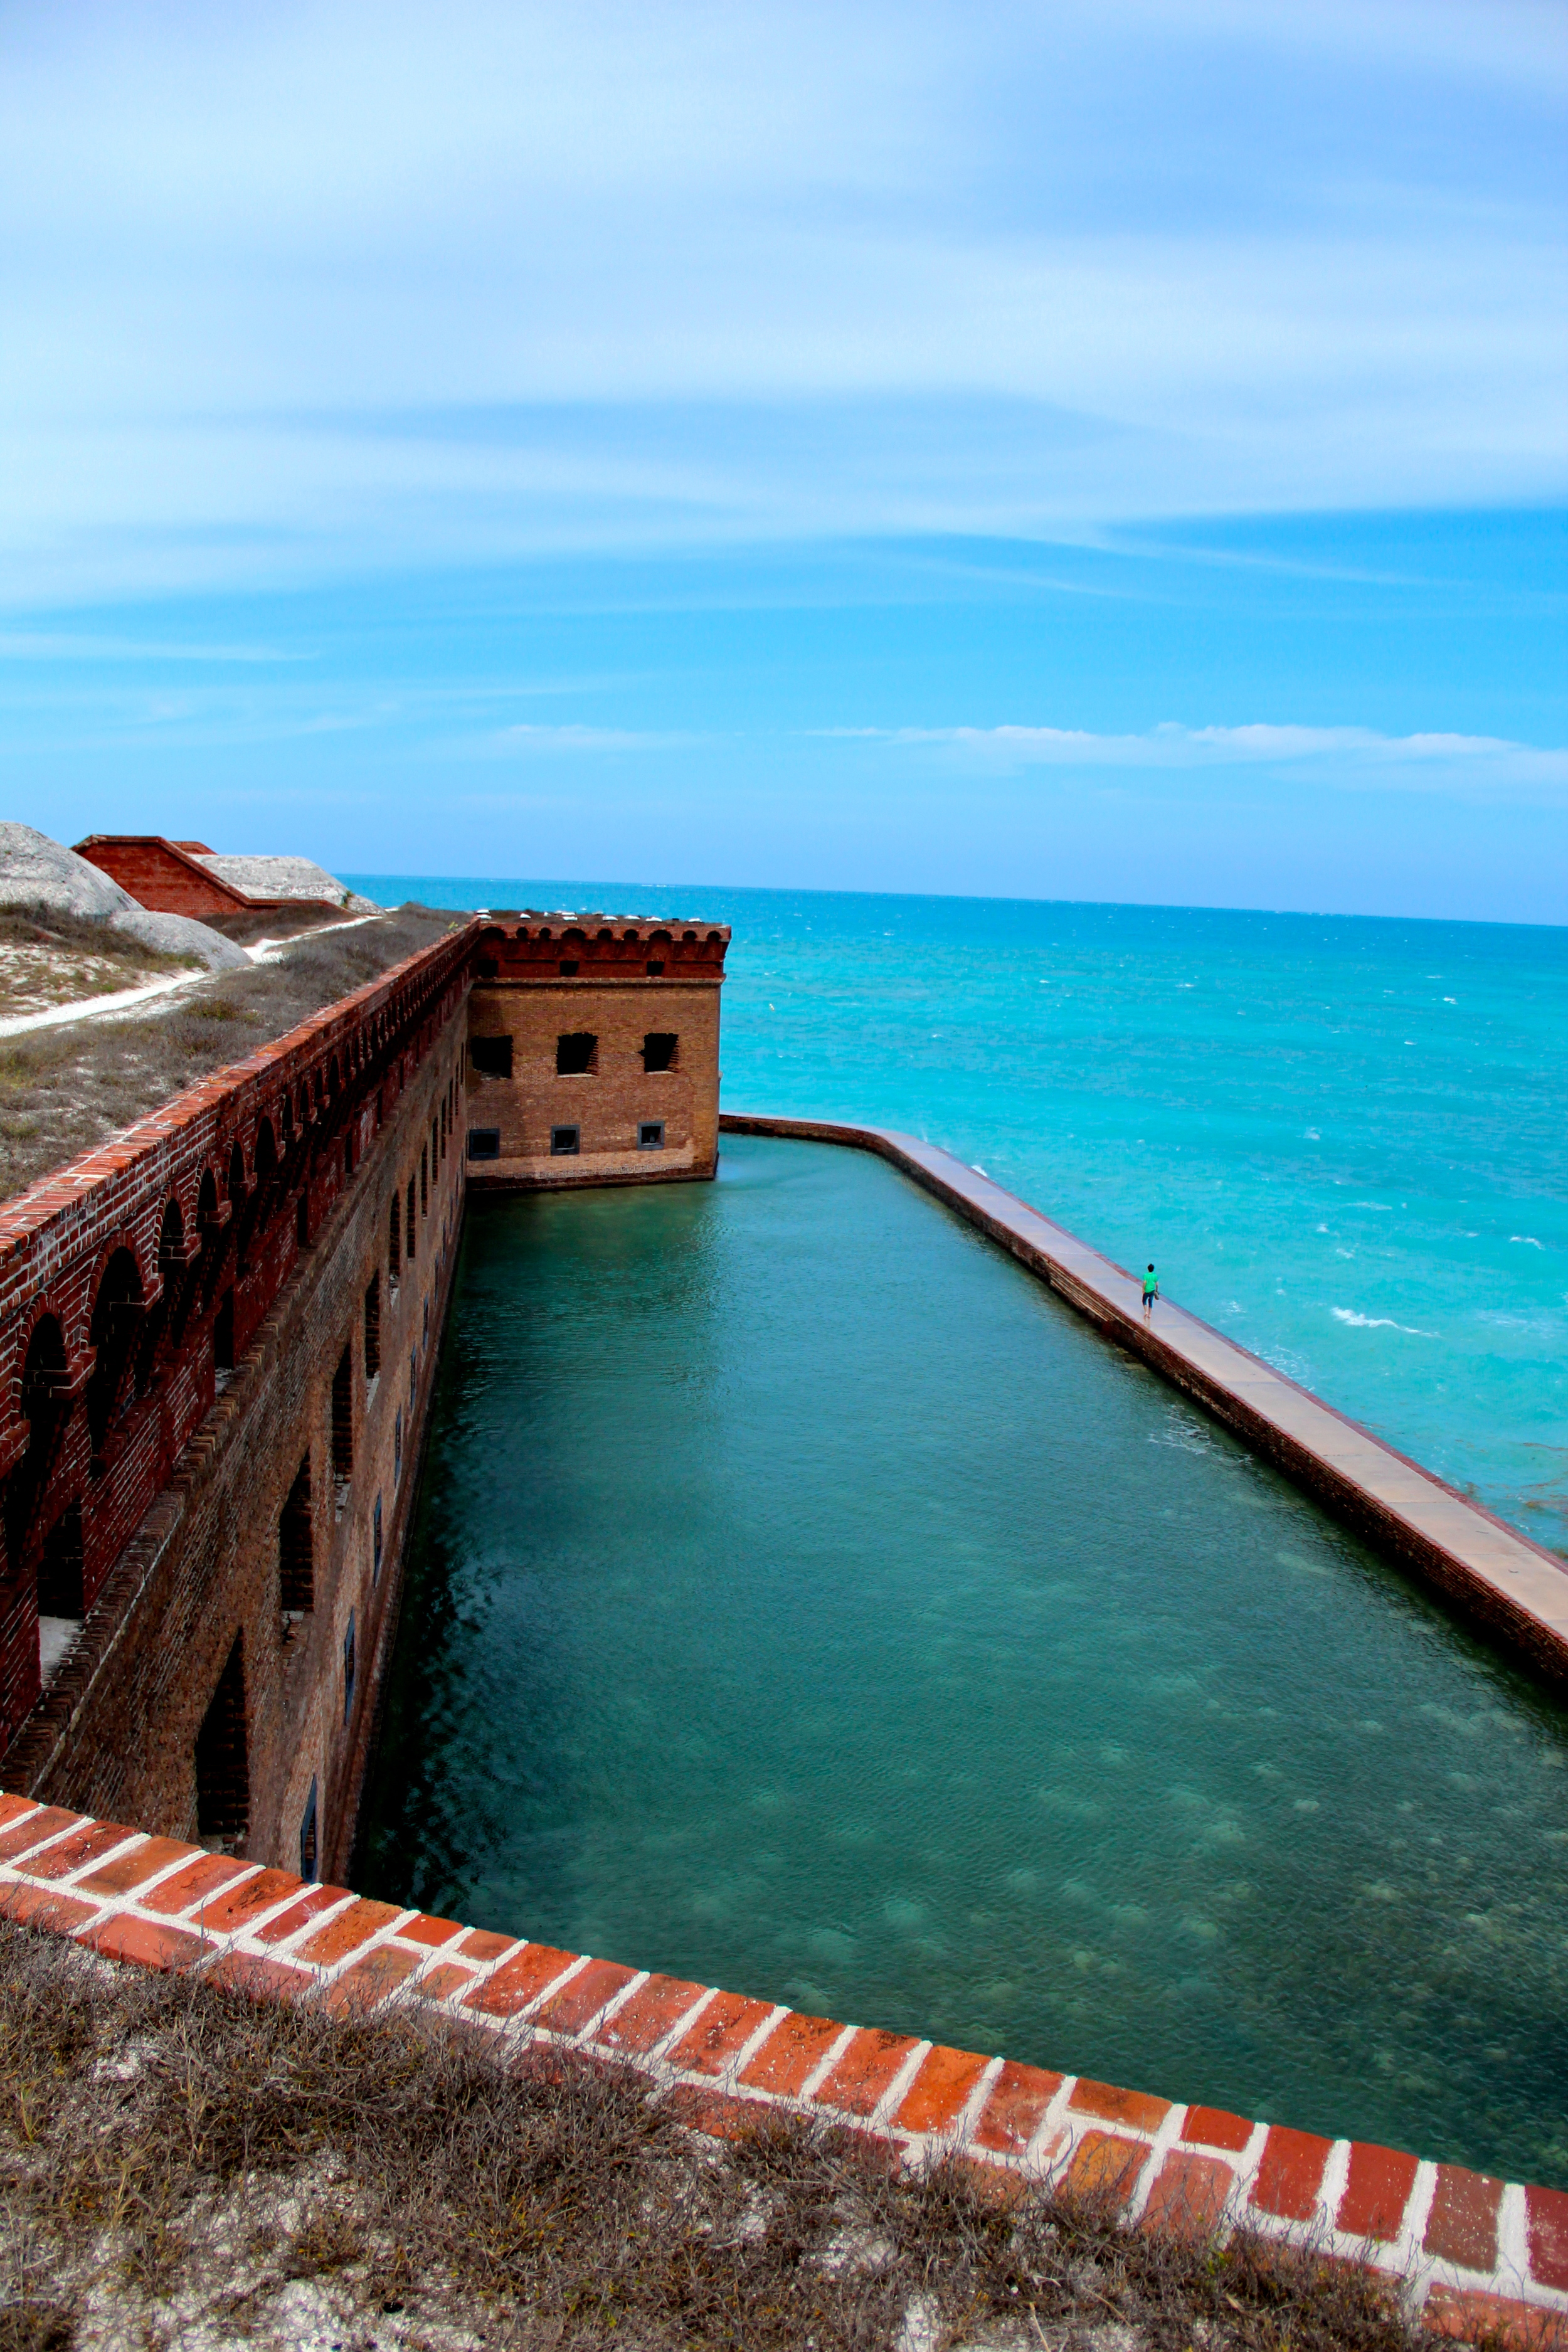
pixel 524 993
pixel 173 1311
pixel 131 1408
pixel 159 875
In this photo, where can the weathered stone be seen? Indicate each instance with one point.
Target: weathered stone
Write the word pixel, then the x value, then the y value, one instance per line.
pixel 38 872
pixel 179 935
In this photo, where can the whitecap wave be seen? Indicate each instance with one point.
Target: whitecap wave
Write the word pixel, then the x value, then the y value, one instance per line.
pixel 1377 1323
pixel 1528 1239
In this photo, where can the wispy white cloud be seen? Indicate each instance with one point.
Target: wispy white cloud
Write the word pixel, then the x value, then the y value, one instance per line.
pixel 302 291
pixel 1344 755
pixel 59 645
pixel 574 741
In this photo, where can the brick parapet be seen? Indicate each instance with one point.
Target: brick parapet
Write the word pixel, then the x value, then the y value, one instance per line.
pixel 117 1725
pixel 1474 2254
pixel 533 946
pixel 187 1210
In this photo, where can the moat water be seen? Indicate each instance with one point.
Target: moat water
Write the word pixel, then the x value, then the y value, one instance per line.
pixel 1342 1139
pixel 801 1600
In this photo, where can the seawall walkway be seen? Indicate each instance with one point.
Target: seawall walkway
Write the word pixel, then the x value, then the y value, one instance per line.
pixel 1516 1588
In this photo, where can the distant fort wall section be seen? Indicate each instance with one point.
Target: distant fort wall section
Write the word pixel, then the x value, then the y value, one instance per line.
pixel 216 1336
pixel 173 877
pixel 594 1051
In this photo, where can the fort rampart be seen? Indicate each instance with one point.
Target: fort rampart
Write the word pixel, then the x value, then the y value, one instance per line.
pixel 215 1334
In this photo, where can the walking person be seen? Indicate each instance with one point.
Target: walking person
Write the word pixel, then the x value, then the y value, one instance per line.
pixel 1150 1292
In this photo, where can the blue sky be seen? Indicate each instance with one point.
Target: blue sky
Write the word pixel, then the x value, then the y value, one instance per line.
pixel 1111 453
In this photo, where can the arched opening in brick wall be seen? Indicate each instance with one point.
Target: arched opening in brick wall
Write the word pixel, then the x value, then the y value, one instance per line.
pixel 265 1162
pixel 44 1408
pixel 172 1239
pixel 167 1321
pixel 207 1222
pixel 221 1760
pixel 238 1186
pixel 115 1324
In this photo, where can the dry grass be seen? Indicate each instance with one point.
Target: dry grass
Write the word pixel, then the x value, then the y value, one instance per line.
pixel 48 958
pixel 63 1090
pixel 179 2165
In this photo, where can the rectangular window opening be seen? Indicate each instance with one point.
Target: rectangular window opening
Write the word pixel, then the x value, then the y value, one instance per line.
pixel 376 1542
pixel 568 967
pixel 223 1334
pixel 650 1135
pixel 373 1327
pixel 344 1417
pixel 490 1057
pixel 484 1143
pixel 577 1055
pixel 310 1841
pixel 302 1222
pixel 349 1667
pixel 660 1050
pixel 656 967
pixel 395 1241
pixel 296 1556
pixel 424 1181
pixel 397 1445
pixel 60 1568
pixel 565 1142
pixel 223 1765
pixel 408 1225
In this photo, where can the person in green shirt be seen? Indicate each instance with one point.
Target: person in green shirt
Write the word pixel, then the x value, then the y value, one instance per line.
pixel 1150 1292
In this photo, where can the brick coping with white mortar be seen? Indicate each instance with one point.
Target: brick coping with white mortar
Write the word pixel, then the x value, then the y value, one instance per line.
pixel 1478 2255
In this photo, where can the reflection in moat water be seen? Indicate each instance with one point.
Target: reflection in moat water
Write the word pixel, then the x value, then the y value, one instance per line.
pixel 803 1600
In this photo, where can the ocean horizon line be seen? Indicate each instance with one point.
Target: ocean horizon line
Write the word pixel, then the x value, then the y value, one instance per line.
pixel 360 879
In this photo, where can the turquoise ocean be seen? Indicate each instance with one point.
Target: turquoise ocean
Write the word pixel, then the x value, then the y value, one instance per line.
pixel 1342 1140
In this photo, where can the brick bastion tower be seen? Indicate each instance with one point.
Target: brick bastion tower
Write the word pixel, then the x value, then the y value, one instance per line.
pixel 592 1051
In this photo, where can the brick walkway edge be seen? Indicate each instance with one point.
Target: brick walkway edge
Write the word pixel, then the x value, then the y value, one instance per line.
pixel 1480 2255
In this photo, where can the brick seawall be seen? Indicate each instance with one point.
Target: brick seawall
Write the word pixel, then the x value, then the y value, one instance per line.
pixel 1515 1589
pixel 1481 2256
